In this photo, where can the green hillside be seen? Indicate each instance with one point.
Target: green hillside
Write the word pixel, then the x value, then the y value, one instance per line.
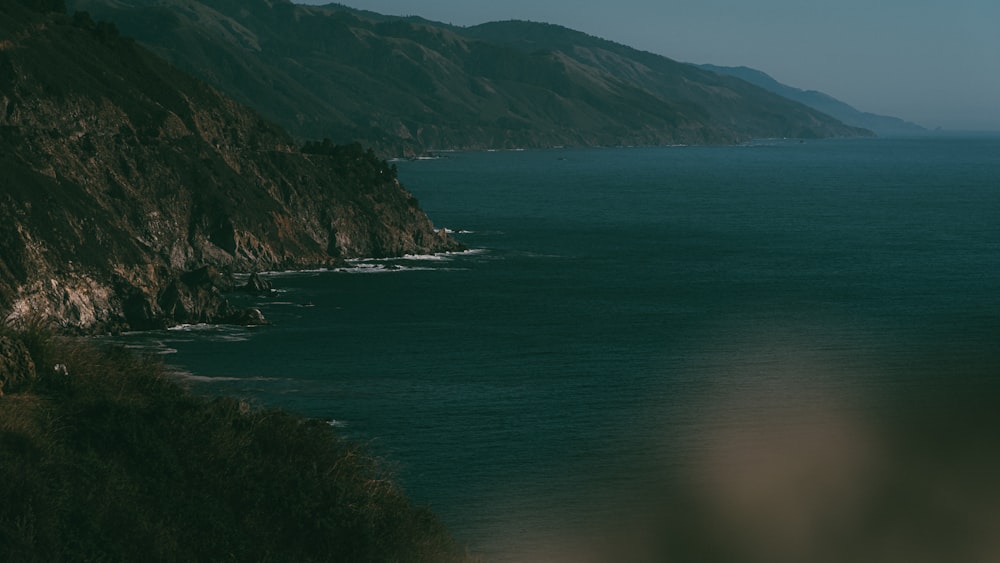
pixel 408 85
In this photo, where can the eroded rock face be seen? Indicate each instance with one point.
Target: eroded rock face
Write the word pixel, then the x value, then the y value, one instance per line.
pixel 256 285
pixel 128 187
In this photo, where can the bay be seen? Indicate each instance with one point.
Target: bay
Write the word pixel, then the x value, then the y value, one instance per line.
pixel 622 312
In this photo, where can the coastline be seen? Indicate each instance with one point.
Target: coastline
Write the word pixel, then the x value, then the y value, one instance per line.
pixel 96 450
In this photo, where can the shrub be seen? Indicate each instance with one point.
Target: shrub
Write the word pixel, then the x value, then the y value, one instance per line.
pixel 110 459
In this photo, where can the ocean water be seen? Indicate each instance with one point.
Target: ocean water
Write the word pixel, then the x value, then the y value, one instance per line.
pixel 626 319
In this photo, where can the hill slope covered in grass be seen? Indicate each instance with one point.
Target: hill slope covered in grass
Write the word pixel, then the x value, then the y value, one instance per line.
pixel 109 459
pixel 405 85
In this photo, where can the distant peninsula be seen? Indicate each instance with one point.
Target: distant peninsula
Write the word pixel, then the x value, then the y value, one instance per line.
pixel 407 85
pixel 882 125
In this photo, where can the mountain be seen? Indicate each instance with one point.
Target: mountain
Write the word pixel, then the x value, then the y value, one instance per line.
pixel 880 124
pixel 129 189
pixel 719 99
pixel 407 85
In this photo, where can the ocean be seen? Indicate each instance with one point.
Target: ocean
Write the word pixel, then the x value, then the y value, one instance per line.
pixel 629 319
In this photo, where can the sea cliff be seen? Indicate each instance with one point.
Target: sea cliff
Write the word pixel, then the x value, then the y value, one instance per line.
pixel 130 191
pixel 129 194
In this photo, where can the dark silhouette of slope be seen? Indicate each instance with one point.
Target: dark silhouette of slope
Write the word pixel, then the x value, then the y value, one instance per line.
pixel 880 124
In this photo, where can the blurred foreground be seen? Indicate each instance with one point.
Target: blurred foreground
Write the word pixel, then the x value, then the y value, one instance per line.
pixel 795 465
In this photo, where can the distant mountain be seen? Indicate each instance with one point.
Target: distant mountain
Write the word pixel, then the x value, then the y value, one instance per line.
pixel 127 187
pixel 880 124
pixel 719 101
pixel 406 85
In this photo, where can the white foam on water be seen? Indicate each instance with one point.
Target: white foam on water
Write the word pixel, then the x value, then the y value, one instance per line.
pixel 365 265
pixel 428 257
pixel 381 269
pixel 158 348
pixel 444 256
pixel 398 264
pixel 280 273
pixel 233 338
pixel 210 332
pixel 194 327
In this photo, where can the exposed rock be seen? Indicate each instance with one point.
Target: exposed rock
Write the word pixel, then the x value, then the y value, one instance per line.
pixel 195 297
pixel 16 365
pixel 257 285
pixel 249 316
pixel 129 188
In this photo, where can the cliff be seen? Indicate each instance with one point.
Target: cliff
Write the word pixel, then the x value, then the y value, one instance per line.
pixel 407 85
pixel 129 189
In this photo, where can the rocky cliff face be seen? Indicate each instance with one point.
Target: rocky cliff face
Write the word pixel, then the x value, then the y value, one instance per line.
pixel 122 179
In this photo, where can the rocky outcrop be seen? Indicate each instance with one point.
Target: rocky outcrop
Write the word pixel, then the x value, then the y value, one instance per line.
pixel 256 285
pixel 130 190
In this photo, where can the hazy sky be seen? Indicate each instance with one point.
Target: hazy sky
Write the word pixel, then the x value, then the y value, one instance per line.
pixel 934 62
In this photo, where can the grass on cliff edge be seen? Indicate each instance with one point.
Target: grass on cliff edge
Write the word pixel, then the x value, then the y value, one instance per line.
pixel 113 461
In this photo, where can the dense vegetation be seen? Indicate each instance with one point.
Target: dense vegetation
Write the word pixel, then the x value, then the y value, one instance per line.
pixel 107 458
pixel 353 161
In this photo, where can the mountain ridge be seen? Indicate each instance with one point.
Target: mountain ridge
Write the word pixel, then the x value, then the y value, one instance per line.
pixel 676 79
pixel 406 85
pixel 882 125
